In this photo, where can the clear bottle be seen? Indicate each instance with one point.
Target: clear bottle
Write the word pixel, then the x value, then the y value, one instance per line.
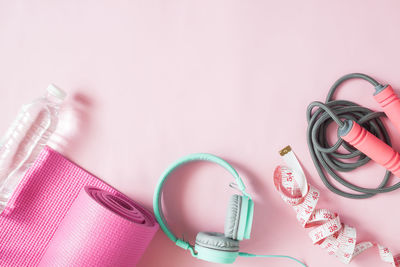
pixel 25 138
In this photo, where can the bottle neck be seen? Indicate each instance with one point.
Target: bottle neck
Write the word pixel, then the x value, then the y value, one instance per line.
pixel 53 100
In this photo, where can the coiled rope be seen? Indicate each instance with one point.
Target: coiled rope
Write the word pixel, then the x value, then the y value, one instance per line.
pixel 327 159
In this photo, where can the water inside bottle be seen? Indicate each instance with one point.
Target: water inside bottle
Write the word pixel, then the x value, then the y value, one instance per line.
pixel 23 142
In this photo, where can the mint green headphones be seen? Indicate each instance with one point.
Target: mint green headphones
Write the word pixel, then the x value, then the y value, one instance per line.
pixel 210 246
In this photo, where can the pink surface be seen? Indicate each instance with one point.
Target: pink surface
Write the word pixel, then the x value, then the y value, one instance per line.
pixel 150 81
pixel 55 222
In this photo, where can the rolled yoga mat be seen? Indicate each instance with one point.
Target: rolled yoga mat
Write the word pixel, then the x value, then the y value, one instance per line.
pixel 61 215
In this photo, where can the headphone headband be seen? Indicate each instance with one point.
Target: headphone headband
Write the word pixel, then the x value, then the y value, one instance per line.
pixel 158 192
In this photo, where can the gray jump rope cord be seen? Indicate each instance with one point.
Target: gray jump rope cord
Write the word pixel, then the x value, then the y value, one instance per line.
pixel 327 157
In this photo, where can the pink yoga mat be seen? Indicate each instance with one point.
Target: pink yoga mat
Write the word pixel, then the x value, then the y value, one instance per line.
pixel 62 215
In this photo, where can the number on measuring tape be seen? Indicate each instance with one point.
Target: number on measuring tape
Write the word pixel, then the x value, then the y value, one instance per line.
pixel 328 232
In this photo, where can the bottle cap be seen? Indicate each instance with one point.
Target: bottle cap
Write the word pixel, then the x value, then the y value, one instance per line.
pixel 57 92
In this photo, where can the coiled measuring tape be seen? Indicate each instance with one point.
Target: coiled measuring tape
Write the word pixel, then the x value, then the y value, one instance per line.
pixel 327 231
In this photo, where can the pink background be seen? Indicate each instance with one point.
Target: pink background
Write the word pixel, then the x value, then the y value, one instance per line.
pixel 150 81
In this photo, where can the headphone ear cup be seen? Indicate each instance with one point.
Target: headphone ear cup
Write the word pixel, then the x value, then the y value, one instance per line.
pixel 216 247
pixel 233 217
pixel 216 241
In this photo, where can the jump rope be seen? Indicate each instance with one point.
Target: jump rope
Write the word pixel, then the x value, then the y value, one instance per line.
pixel 360 132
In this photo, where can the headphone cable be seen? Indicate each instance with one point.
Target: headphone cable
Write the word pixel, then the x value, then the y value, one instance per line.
pixel 249 255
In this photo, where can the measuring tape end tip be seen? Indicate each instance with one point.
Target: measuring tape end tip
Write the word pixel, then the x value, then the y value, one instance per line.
pixel 285 150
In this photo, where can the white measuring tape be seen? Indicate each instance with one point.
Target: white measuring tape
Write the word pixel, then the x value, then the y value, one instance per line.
pixel 328 232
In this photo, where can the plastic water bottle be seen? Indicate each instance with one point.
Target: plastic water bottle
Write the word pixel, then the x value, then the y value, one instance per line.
pixel 25 138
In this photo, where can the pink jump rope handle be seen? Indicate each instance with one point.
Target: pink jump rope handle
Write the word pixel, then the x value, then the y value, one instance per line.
pixel 371 146
pixel 390 104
